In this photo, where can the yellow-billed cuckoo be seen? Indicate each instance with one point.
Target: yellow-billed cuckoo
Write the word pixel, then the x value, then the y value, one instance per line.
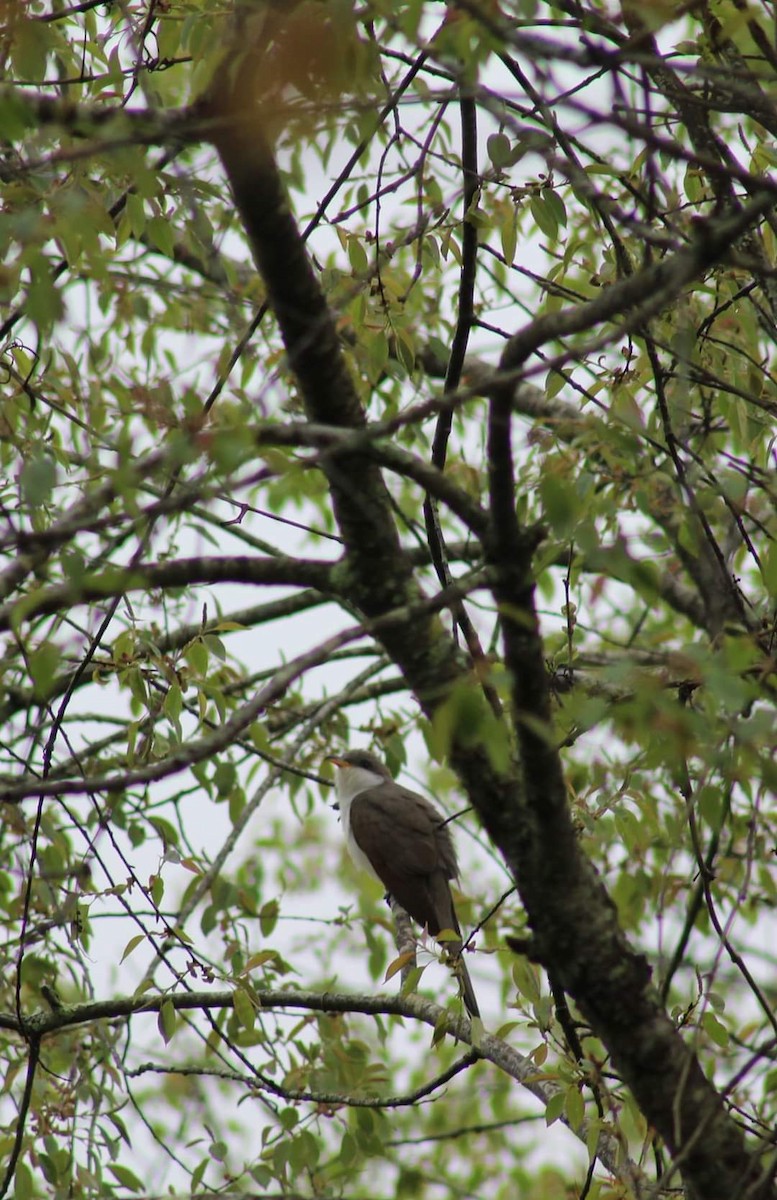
pixel 403 840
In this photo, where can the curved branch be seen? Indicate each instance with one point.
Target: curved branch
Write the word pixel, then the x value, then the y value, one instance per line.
pixel 517 1066
pixel 184 572
pixel 192 751
pixel 363 442
pixel 328 1099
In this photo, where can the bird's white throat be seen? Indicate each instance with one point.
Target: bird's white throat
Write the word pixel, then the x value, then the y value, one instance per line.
pixel 349 783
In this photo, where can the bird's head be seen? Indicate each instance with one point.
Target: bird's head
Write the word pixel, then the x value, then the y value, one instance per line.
pixel 357 770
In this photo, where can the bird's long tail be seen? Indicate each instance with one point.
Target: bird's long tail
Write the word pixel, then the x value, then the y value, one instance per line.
pixel 467 990
pixel 462 974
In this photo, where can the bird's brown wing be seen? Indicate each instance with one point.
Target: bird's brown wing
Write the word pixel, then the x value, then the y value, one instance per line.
pixel 388 819
pixel 383 816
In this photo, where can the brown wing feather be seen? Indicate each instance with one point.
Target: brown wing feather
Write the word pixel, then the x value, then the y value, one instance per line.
pixel 429 839
pixel 382 815
pixel 386 814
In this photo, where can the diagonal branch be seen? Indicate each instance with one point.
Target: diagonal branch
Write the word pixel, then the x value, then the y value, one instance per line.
pixel 662 283
pixel 192 752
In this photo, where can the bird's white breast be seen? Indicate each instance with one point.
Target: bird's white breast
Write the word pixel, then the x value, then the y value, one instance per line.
pixel 349 783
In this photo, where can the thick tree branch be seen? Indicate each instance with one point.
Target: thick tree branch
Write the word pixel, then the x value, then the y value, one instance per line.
pixel 365 444
pixel 183 572
pixel 523 1070
pixel 574 924
pixel 377 574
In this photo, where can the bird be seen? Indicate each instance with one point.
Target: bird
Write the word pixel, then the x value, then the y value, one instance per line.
pixel 403 841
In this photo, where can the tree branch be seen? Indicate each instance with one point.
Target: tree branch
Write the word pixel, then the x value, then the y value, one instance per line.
pixel 414 1007
pixel 575 928
pixel 184 572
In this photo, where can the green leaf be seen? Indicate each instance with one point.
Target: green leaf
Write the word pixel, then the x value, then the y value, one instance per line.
pixel 165 830
pixel 412 980
pixel 357 256
pixel 132 944
pixel 555 1107
pixel 225 778
pixel 198 658
pixel 288 1118
pixel 769 568
pixel 173 705
pixel 555 205
pixel 304 1152
pixel 198 1174
pixel 37 479
pixel 29 47
pixel 245 1008
pixel 23 1182
pixel 545 215
pixel 574 1107
pixel 398 963
pixel 499 149
pixel 237 803
pixel 43 665
pixel 712 807
pixel 16 116
pixel 526 979
pixel 715 1031
pixel 44 302
pixel 559 503
pixel 120 1127
pixel 349 1150
pixel 125 1177
pixel 135 209
pixel 508 233
pixel 268 917
pixel 167 1020
pixel 160 231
